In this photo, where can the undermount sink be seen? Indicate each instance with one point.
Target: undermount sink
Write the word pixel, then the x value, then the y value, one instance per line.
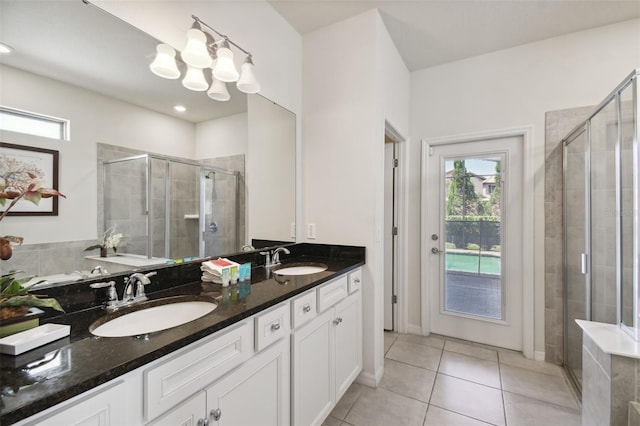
pixel 300 269
pixel 152 316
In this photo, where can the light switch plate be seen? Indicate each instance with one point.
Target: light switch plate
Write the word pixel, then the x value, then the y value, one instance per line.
pixel 311 231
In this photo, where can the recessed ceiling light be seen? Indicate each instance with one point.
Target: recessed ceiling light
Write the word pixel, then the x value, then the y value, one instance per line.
pixel 5 49
pixel 180 108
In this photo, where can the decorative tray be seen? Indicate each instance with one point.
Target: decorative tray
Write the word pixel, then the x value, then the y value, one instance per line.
pixel 33 338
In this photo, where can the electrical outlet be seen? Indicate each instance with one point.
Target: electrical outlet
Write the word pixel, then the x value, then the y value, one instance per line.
pixel 311 231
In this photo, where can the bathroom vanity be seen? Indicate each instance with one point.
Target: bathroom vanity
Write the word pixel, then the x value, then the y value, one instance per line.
pixel 281 350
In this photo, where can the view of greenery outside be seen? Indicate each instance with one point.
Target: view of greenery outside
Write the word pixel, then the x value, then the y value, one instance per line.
pixel 472 210
pixel 472 258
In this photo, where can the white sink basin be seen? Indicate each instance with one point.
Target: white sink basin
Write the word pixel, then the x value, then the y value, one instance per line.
pixel 301 269
pixel 153 318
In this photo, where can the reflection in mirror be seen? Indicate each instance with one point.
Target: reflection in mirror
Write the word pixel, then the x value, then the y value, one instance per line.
pixel 627 235
pixel 117 108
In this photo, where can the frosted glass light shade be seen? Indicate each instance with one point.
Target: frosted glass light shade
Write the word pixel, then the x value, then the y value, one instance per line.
pixel 195 52
pixel 225 70
pixel 248 82
pixel 164 64
pixel 218 91
pixel 194 80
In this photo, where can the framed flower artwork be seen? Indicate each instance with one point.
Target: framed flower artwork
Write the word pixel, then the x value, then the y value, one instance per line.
pixel 27 170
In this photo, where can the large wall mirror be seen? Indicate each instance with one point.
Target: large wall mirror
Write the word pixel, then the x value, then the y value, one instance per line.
pixel 221 162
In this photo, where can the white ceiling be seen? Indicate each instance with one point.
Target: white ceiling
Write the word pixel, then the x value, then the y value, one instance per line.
pixel 432 32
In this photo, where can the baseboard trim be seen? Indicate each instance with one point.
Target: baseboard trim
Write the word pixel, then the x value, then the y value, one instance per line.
pixel 414 329
pixel 371 380
pixel 539 355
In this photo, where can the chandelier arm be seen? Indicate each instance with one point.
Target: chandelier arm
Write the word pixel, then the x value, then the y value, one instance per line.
pixel 225 37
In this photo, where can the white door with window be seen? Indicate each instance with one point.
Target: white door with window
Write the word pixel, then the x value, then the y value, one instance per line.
pixel 472 218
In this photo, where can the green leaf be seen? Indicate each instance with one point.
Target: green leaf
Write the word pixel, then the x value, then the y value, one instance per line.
pixel 97 246
pixel 33 196
pixel 31 300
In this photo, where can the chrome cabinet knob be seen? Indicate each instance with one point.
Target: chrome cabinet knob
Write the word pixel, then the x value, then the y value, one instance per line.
pixel 275 326
pixel 337 321
pixel 215 414
pixel 306 309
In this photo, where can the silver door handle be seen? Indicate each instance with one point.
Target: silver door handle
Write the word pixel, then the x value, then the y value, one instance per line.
pixel 583 263
pixel 436 250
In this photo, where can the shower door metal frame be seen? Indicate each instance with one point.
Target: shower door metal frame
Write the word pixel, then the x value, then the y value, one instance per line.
pixel 585 126
pixel 149 193
pixel 202 210
pixel 585 129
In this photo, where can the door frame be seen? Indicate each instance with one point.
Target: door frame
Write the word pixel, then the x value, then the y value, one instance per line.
pixel 402 154
pixel 528 294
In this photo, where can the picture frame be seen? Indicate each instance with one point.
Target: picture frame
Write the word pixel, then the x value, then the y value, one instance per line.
pixel 39 161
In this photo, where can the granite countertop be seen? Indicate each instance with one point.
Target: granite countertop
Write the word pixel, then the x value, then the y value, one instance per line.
pixel 46 376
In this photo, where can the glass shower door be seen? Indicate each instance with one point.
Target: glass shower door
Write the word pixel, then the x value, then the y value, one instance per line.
pixel 577 297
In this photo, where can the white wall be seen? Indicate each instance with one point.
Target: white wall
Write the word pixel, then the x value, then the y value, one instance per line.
pixel 222 137
pixel 271 171
pixel 348 90
pixel 513 88
pixel 94 118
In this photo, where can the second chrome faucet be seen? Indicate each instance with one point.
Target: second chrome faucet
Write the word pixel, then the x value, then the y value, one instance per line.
pixel 272 258
pixel 131 294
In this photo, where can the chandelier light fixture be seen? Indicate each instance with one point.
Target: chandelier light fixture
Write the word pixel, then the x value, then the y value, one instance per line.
pixel 208 63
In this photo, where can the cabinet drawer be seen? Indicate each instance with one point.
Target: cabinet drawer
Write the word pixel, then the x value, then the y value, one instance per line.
pixel 331 293
pixel 272 325
pixel 196 366
pixel 303 308
pixel 355 281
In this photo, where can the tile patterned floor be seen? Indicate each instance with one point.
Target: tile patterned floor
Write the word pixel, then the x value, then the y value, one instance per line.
pixel 438 381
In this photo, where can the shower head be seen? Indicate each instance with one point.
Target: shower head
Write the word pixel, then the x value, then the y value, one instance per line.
pixel 210 175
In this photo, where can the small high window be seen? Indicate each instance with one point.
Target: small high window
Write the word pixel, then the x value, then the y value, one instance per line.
pixel 30 123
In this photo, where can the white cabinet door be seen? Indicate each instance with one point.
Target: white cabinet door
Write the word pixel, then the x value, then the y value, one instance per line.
pixel 256 394
pixel 313 385
pixel 348 342
pixel 104 408
pixel 187 413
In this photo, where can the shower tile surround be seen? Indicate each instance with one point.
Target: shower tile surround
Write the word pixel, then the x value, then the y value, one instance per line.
pixel 558 125
pixel 185 201
pixel 611 383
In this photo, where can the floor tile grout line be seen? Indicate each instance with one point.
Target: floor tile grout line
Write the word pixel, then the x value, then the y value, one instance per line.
pixel 472 381
pixel 543 401
pixel 504 405
pixel 500 362
pixel 463 415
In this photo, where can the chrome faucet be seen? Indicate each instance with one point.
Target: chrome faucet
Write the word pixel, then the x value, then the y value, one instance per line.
pixel 130 295
pixel 112 302
pixel 267 260
pixel 275 257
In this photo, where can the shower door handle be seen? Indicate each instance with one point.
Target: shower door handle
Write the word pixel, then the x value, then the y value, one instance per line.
pixel 583 263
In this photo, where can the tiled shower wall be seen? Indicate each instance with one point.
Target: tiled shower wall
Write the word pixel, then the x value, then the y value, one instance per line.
pixel 558 125
pixel 603 135
pixel 225 205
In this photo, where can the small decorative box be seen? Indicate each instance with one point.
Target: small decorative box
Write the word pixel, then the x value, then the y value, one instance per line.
pixel 33 338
